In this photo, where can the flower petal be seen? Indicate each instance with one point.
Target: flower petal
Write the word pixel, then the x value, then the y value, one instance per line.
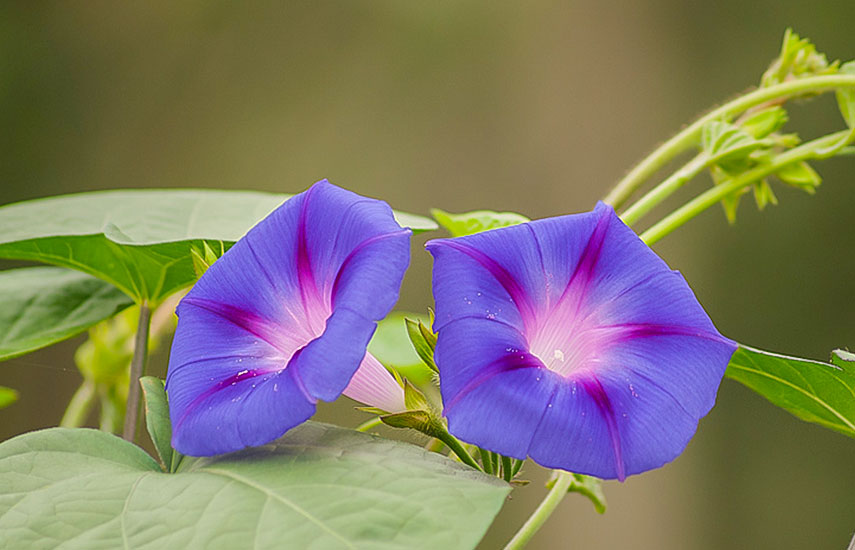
pixel 499 392
pixel 283 319
pixel 373 385
pixel 613 363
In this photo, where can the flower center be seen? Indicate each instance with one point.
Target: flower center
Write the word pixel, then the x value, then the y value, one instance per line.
pixel 568 340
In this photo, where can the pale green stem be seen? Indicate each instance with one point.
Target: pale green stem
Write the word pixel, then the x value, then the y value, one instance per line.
pixel 137 370
pixel 806 151
pixel 539 517
pixel 690 136
pixel 452 443
pixel 369 424
pixel 79 406
pixel 111 411
pixel 665 189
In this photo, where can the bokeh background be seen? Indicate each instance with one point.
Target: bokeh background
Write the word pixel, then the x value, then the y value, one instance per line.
pixel 537 108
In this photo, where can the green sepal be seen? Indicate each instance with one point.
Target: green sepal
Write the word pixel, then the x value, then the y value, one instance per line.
pixel 587 486
pixel 469 223
pixel 424 342
pixel 7 396
pixel 157 420
pixel 414 399
pixel 205 258
pixel 372 410
pixel 764 122
pixel 420 421
pixel 763 194
pixel 800 175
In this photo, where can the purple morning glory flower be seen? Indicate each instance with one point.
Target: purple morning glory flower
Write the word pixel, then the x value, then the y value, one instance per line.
pixel 283 319
pixel 568 340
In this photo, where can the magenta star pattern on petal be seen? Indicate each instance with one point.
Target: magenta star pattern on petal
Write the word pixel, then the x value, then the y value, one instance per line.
pixel 570 341
pixel 283 319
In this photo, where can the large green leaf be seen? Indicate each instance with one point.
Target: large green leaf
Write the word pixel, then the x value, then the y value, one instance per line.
pixel 823 393
pixel 139 240
pixel 318 487
pixel 40 306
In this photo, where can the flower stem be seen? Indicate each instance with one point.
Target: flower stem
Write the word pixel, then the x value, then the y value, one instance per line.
pixel 368 424
pixel 452 443
pixel 665 189
pixel 808 150
pixel 544 510
pixel 137 371
pixel 79 406
pixel 691 134
pixel 111 419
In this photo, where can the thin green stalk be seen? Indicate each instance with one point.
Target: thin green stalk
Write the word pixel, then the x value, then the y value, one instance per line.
pixel 806 151
pixel 690 135
pixel 507 469
pixel 544 510
pixel 111 411
pixel 486 461
pixel 665 189
pixel 368 424
pixel 79 406
pixel 137 370
pixel 518 464
pixel 452 443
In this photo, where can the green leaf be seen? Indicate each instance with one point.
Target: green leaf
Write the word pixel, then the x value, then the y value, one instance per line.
pixel 800 175
pixel 817 392
pixel 477 221
pixel 157 418
pixel 730 202
pixel 846 97
pixel 727 145
pixel 587 486
pixel 7 396
pixel 317 487
pixel 763 194
pixel 45 305
pixel 391 346
pixel 762 123
pixel 798 59
pixel 138 240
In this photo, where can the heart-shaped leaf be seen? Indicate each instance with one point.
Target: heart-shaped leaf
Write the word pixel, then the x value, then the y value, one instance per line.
pixel 317 487
pixel 823 393
pixel 45 305
pixel 139 240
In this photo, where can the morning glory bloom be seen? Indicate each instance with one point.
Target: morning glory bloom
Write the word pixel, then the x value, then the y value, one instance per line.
pixel 570 341
pixel 283 319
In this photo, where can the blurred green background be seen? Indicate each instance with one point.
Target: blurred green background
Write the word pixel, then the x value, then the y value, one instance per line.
pixel 463 105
